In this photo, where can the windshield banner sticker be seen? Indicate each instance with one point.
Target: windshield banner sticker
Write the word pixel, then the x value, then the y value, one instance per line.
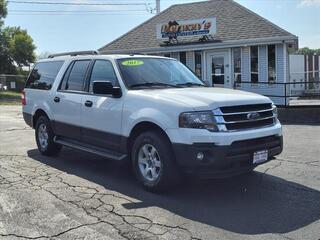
pixel 132 63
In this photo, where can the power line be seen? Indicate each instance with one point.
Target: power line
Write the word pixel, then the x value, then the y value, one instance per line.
pixel 78 4
pixel 75 11
pixel 76 14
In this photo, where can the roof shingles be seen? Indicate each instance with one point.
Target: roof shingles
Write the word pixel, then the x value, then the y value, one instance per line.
pixel 234 22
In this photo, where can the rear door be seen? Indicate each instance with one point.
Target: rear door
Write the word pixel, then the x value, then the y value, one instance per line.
pixel 101 118
pixel 68 100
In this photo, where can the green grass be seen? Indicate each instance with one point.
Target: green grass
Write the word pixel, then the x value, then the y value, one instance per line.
pixel 9 94
pixel 4 103
pixel 10 98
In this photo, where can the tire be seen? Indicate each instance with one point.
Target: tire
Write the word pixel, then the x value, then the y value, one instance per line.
pixel 44 137
pixel 153 162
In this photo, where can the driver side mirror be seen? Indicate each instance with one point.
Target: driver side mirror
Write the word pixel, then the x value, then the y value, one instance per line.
pixel 106 88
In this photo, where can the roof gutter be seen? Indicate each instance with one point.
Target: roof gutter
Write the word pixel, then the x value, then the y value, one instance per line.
pixel 206 46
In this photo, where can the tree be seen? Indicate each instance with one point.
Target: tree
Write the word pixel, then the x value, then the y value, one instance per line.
pixel 21 46
pixel 16 46
pixel 3 9
pixel 308 51
pixel 43 55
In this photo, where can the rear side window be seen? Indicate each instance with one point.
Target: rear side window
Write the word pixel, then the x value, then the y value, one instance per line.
pixel 43 75
pixel 103 71
pixel 77 75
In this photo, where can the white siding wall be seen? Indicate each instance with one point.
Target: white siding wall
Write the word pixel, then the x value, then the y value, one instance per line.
pixel 297 73
pixel 265 89
pixel 190 60
pixel 280 63
pixel 245 64
pixel 263 64
pixel 282 68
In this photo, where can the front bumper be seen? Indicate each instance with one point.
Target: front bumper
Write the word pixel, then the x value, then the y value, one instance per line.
pixel 225 160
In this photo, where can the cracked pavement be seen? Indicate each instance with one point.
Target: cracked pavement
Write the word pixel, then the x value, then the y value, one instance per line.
pixel 81 196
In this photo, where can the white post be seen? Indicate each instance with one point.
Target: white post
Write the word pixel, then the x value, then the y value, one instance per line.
pixel 313 66
pixel 157 6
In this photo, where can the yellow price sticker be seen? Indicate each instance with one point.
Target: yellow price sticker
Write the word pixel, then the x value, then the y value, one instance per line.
pixel 132 63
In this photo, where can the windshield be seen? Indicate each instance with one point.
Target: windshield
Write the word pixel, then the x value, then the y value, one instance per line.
pixel 156 72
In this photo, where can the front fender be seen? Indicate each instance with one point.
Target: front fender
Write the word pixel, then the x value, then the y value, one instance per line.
pixel 148 115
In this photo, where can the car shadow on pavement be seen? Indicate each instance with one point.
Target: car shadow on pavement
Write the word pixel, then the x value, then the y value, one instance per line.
pixel 257 203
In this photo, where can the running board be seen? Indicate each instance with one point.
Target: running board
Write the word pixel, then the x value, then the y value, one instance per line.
pixel 89 148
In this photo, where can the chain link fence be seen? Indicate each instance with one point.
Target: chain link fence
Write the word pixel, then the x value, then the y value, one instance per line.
pixel 9 82
pixel 305 84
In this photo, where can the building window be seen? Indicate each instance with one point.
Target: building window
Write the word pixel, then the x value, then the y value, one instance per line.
pixel 272 63
pixel 167 55
pixel 254 64
pixel 198 64
pixel 183 58
pixel 237 64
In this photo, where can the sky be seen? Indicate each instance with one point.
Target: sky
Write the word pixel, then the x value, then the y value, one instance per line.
pixel 69 31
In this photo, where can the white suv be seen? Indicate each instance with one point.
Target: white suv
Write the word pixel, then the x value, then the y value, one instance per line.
pixel 152 111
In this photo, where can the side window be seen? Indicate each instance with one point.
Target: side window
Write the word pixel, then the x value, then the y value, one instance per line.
pixel 43 75
pixel 76 77
pixel 65 77
pixel 102 71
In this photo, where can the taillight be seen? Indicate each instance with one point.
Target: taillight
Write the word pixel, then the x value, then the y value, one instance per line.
pixel 23 98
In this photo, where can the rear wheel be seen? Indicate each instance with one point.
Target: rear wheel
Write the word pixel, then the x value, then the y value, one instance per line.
pixel 44 137
pixel 153 161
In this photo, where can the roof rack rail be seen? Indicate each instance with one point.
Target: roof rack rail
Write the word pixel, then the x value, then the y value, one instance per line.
pixel 93 52
pixel 136 53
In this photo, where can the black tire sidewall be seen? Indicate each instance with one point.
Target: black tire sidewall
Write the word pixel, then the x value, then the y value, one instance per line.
pixel 52 148
pixel 168 168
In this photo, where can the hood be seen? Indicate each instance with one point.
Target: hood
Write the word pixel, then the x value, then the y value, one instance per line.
pixel 201 98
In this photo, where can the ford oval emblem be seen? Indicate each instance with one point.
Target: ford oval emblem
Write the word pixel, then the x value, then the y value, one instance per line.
pixel 253 116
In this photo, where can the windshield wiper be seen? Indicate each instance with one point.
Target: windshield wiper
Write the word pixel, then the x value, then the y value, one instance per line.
pixel 189 84
pixel 151 84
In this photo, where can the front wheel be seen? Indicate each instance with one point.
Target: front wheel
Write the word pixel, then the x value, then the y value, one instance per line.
pixel 44 137
pixel 153 161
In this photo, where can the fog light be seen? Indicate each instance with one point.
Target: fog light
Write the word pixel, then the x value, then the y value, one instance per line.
pixel 200 156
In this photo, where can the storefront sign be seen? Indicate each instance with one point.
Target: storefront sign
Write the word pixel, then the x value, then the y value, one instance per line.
pixel 186 28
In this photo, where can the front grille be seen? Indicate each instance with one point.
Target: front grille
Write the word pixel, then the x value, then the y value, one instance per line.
pixel 235 118
pixel 246 108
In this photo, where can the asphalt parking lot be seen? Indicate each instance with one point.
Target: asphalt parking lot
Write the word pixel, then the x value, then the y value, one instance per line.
pixel 82 196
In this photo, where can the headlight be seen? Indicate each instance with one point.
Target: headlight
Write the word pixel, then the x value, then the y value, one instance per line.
pixel 275 110
pixel 200 120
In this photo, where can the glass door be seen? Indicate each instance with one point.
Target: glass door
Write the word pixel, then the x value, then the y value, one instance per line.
pixel 217 69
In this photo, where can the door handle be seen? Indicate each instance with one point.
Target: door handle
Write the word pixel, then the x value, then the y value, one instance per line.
pixel 88 103
pixel 56 99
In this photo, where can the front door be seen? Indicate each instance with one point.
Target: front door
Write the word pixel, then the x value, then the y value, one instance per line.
pixel 218 72
pixel 101 119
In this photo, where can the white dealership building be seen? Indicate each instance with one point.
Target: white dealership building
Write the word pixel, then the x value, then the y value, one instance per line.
pixel 224 43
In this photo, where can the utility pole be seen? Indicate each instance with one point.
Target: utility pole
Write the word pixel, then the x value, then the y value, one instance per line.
pixel 157 6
